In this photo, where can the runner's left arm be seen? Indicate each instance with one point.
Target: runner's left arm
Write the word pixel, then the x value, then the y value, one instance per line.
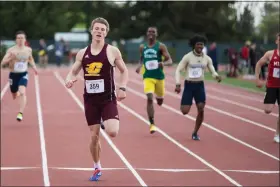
pixel 167 58
pixel 32 62
pixel 121 66
pixel 212 69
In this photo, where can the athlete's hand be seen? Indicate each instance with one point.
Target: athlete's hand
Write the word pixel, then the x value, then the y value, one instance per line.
pixel 138 70
pixel 12 56
pixel 160 65
pixel 218 78
pixel 178 88
pixel 70 83
pixel 259 83
pixel 121 95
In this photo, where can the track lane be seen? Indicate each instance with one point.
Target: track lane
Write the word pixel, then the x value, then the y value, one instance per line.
pixel 233 161
pixel 218 102
pixel 146 151
pixel 234 93
pixel 20 143
pixel 259 137
pixel 68 137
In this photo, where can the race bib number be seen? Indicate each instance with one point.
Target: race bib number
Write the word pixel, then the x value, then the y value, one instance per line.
pixel 195 72
pixel 20 66
pixel 276 72
pixel 95 86
pixel 151 65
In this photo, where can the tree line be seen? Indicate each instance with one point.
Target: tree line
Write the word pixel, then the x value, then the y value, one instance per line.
pixel 175 20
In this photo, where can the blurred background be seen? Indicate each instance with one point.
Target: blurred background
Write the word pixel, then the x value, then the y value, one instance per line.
pixel 238 33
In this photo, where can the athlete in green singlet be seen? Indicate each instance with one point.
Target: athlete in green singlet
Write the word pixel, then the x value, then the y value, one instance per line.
pixel 151 54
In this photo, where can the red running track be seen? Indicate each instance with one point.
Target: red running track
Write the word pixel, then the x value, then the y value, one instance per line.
pixel 171 158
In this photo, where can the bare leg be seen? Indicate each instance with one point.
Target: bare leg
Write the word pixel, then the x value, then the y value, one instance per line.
pixel 185 109
pixel 150 108
pixel 22 98
pixel 112 127
pixel 268 109
pixel 159 101
pixel 199 117
pixel 95 147
pixel 15 95
pixel 151 112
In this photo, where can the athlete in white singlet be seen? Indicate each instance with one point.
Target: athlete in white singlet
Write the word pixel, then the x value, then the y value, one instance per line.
pixel 17 58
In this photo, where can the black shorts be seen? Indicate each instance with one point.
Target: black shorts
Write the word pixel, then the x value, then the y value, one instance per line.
pixel 16 80
pixel 272 95
pixel 193 90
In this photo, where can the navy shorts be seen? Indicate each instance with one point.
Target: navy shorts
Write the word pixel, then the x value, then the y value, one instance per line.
pixel 272 96
pixel 193 90
pixel 17 79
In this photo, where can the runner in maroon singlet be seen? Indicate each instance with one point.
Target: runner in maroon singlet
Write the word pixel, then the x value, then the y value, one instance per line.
pixel 100 102
pixel 272 95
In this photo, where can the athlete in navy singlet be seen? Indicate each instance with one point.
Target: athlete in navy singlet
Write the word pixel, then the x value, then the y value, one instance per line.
pixel 100 101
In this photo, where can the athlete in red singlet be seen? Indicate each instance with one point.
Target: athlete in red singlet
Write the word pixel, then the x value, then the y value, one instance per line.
pixel 273 81
pixel 98 61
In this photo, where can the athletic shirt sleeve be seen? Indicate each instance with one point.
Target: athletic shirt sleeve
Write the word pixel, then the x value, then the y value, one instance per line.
pixel 181 66
pixel 194 67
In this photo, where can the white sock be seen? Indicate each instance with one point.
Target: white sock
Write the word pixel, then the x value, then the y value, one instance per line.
pixel 97 165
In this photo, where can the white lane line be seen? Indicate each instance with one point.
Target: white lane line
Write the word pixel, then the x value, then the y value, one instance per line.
pixel 175 170
pixel 42 136
pixel 206 125
pixel 233 94
pixel 88 169
pixel 76 99
pixel 235 103
pixel 4 90
pixel 18 168
pixel 181 146
pixel 218 110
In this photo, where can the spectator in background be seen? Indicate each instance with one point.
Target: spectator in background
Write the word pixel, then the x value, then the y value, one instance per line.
pixel 252 59
pixel 244 56
pixel 233 60
pixel 59 52
pixel 43 53
pixel 213 55
pixel 67 51
pixel 259 53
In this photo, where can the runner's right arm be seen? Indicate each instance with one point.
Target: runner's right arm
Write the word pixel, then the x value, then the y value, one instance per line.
pixel 76 67
pixel 7 58
pixel 182 65
pixel 260 63
pixel 212 70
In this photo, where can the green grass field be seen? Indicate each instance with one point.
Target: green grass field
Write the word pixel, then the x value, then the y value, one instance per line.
pixel 246 84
